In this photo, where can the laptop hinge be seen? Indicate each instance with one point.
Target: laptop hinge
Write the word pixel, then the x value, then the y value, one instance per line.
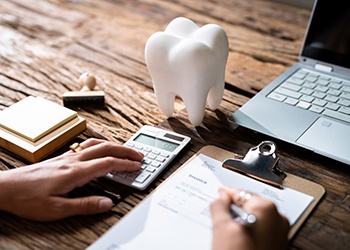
pixel 323 68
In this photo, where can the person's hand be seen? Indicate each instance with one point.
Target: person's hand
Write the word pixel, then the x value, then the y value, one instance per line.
pixel 38 191
pixel 270 231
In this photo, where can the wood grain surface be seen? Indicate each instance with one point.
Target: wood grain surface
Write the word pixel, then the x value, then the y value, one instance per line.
pixel 46 45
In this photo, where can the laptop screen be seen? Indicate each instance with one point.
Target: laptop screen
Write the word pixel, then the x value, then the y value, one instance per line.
pixel 328 37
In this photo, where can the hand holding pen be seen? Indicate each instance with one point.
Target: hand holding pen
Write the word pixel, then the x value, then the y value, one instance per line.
pixel 246 221
pixel 238 213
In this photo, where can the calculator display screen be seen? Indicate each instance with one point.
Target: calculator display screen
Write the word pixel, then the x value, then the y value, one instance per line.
pixel 156 142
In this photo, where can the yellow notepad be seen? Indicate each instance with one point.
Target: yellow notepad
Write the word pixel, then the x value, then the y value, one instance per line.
pixel 35 117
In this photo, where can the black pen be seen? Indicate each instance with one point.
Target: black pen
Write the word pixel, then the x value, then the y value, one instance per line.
pixel 241 216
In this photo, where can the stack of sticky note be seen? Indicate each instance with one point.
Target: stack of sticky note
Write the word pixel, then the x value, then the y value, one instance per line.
pixel 34 127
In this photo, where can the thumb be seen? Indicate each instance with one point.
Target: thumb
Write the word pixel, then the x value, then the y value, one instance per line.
pixel 220 207
pixel 85 205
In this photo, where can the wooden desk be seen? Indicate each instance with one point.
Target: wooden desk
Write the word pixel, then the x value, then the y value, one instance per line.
pixel 46 45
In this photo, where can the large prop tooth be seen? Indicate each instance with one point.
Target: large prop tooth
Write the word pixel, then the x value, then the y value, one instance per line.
pixel 190 62
pixel 165 98
pixel 215 94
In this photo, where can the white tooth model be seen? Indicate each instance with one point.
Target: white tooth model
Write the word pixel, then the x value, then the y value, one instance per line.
pixel 190 62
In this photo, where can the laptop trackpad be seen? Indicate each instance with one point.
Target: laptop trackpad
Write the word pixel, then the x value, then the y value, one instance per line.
pixel 328 137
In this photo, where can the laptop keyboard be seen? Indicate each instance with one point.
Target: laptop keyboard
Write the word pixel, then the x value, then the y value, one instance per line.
pixel 317 92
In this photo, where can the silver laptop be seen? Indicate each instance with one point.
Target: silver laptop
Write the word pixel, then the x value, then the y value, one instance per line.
pixel 309 104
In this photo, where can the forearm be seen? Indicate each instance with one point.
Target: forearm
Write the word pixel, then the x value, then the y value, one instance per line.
pixel 5 188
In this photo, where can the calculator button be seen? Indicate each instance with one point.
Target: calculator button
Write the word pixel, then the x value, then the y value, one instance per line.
pixel 130 145
pixel 147 149
pixel 121 174
pixel 151 156
pixel 142 177
pixel 139 147
pixel 156 152
pixel 147 161
pixel 164 154
pixel 132 175
pixel 155 164
pixel 145 153
pixel 160 158
pixel 150 169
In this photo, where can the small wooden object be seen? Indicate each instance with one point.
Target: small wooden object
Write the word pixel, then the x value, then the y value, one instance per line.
pixel 87 96
pixel 35 127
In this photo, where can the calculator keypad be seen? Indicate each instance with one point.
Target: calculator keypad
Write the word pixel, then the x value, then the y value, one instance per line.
pixel 154 161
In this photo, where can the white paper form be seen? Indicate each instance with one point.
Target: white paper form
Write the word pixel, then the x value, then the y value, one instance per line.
pixel 177 215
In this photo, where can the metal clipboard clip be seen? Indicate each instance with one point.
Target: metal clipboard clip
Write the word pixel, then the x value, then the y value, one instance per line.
pixel 259 163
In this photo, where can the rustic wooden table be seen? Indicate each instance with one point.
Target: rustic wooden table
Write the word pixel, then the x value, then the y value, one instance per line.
pixel 46 45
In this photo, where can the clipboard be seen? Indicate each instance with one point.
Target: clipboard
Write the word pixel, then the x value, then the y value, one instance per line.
pixel 292 181
pixel 137 229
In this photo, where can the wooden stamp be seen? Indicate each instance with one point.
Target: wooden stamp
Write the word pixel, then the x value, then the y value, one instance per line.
pixel 87 96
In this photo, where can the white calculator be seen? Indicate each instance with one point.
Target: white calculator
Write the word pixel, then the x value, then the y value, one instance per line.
pixel 159 147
